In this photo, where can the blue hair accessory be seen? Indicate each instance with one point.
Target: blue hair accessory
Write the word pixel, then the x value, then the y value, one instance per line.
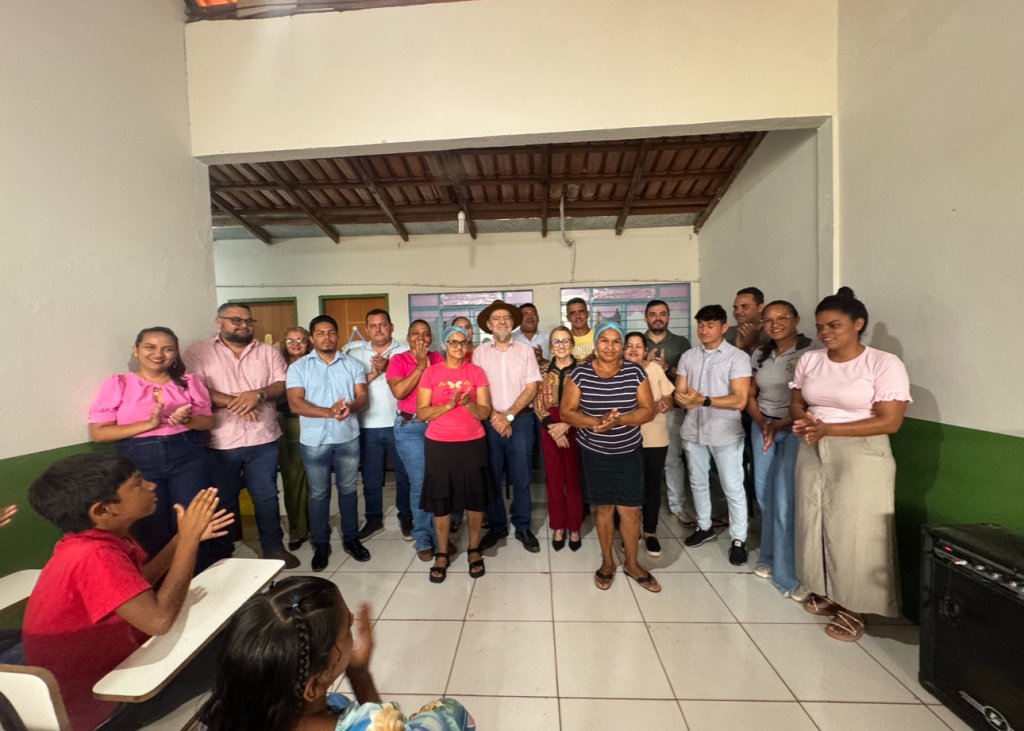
pixel 453 329
pixel 605 326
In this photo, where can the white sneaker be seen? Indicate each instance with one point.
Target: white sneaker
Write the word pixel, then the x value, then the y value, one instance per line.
pixel 799 594
pixel 763 570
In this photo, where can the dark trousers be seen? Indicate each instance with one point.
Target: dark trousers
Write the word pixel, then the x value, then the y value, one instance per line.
pixel 516 451
pixel 654 467
pixel 255 469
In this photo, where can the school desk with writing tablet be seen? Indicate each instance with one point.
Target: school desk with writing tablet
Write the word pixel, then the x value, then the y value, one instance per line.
pixel 213 596
pixel 17 586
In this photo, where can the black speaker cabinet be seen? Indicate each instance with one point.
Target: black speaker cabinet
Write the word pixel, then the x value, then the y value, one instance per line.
pixel 972 623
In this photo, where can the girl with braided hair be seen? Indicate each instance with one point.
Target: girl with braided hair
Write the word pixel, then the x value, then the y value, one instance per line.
pixel 287 647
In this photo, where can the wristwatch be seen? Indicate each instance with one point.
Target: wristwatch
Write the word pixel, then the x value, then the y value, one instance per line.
pixel 261 395
pixel 707 400
pixel 511 417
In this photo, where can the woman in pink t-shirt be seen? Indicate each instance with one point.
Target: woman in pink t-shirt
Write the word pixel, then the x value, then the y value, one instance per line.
pixel 154 415
pixel 453 397
pixel 846 400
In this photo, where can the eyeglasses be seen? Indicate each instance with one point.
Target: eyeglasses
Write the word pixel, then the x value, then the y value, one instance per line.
pixel 456 343
pixel 780 320
pixel 562 341
pixel 239 321
pixel 295 341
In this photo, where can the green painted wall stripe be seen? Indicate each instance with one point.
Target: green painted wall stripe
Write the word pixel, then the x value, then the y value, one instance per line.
pixel 949 474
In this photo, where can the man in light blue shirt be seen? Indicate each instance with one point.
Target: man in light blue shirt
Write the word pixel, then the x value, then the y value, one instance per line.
pixel 326 389
pixel 377 425
pixel 712 384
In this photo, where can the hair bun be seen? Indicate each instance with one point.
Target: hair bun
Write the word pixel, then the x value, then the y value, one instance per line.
pixel 845 292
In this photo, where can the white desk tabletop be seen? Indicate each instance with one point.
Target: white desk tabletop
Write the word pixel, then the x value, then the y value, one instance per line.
pixel 213 596
pixel 17 586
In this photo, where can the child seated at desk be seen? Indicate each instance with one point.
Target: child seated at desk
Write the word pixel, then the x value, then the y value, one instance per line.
pixel 94 603
pixel 284 649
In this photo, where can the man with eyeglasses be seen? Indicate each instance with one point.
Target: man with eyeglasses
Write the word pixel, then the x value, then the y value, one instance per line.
pixel 245 377
pixel 666 348
pixel 377 425
pixel 511 369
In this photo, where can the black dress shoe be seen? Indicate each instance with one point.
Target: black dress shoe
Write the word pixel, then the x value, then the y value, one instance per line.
pixel 371 529
pixel 296 545
pixel 356 550
pixel 575 545
pixel 291 561
pixel 529 541
pixel 491 538
pixel 320 556
pixel 558 543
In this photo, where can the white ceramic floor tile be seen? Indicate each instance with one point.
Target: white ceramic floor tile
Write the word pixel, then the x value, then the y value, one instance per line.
pixel 818 668
pixel 716 662
pixel 594 714
pixel 586 560
pixel 523 597
pixel 753 599
pixel 417 598
pixel 896 647
pixel 860 716
pixel 502 713
pixel 608 660
pixel 384 556
pixel 714 556
pixel 672 558
pixel 413 657
pixel 683 598
pixel 949 718
pixel 372 589
pixel 759 715
pixel 577 599
pixel 504 658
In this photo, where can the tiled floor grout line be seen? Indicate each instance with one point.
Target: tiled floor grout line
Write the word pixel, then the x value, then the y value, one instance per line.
pixel 554 638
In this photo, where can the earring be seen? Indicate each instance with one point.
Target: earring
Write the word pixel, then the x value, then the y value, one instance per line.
pixel 133 363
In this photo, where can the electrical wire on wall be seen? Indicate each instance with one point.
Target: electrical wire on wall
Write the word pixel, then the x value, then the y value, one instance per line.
pixel 570 243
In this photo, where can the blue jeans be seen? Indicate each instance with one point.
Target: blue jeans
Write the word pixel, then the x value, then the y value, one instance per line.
pixel 374 444
pixel 729 461
pixel 254 468
pixel 177 466
pixel 517 452
pixel 774 478
pixel 343 460
pixel 410 437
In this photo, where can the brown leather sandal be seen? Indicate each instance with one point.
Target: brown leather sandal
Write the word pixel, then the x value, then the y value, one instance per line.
pixel 845 627
pixel 820 605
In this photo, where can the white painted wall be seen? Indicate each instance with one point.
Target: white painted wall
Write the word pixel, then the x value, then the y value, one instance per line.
pixel 503 71
pixel 310 268
pixel 105 213
pixel 931 153
pixel 764 233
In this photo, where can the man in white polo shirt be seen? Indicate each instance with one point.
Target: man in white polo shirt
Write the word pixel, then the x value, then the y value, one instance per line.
pixel 377 425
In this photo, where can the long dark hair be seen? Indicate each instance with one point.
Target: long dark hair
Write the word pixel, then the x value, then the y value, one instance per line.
pixel 845 301
pixel 275 643
pixel 802 341
pixel 177 368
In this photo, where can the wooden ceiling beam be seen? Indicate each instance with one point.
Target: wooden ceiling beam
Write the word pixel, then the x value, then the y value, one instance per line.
pixel 634 187
pixel 755 140
pixel 271 172
pixel 450 164
pixel 545 195
pixel 255 230
pixel 369 178
pixel 669 177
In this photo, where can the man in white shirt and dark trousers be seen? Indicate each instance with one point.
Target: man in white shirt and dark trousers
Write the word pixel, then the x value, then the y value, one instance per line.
pixel 377 425
pixel 712 384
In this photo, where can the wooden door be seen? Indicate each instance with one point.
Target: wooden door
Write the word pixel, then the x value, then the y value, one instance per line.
pixel 350 312
pixel 272 317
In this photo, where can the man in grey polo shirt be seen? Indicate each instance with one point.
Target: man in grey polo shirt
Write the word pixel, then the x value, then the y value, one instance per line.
pixel 377 425
pixel 712 384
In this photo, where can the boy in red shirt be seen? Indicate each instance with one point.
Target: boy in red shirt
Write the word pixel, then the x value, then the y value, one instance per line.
pixel 94 603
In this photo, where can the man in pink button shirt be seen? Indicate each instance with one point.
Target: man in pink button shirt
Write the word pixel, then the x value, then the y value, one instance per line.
pixel 512 371
pixel 245 378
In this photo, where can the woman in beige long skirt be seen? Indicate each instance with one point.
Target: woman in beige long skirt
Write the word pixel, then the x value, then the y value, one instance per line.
pixel 846 400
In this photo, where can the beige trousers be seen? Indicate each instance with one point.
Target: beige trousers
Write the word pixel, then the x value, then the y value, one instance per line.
pixel 845 526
